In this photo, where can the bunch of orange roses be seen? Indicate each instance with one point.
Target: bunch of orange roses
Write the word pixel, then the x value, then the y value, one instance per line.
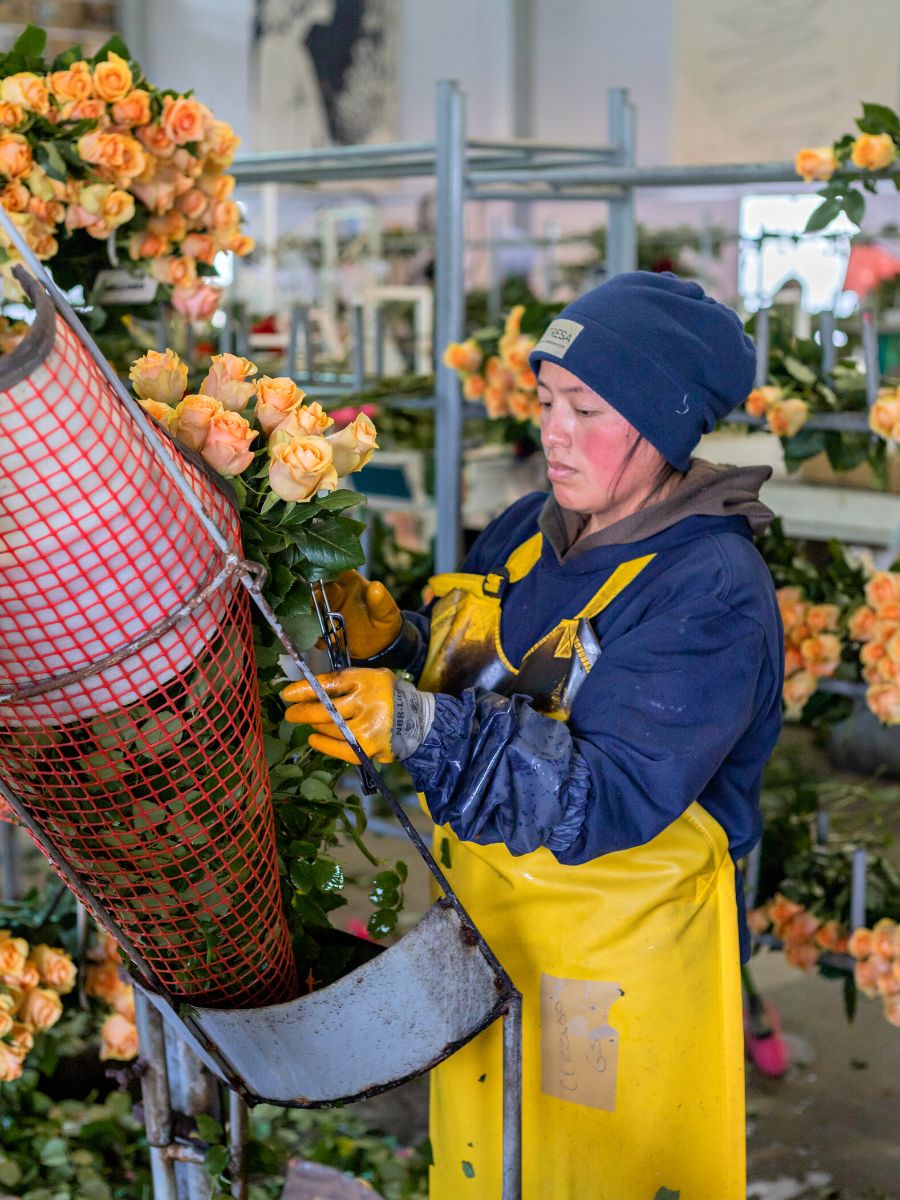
pixel 504 381
pixel 302 460
pixel 105 982
pixel 877 970
pixel 32 980
pixel 812 647
pixel 873 151
pixel 876 626
pixel 90 145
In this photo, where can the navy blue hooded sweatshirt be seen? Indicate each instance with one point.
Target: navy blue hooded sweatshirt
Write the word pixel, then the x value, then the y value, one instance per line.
pixel 683 704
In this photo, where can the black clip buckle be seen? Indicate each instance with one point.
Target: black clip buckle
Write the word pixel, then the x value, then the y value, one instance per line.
pixel 495 582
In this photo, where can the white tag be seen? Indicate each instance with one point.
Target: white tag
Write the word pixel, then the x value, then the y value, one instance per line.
pixel 559 336
pixel 124 287
pixel 579 1047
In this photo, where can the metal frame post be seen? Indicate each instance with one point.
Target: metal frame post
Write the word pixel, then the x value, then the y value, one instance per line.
pixel 449 320
pixel 512 1100
pixel 155 1095
pixel 621 234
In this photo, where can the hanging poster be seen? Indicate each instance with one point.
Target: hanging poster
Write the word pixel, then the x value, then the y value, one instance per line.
pixel 757 79
pixel 325 72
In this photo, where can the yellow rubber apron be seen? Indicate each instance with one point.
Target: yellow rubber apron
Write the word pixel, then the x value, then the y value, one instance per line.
pixel 633 1068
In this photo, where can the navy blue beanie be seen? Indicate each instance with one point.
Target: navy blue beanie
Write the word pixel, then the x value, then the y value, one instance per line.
pixel 669 358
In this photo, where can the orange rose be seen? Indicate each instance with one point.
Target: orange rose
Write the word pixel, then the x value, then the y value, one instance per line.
pixel 11 115
pixel 892 647
pixel 883 589
pixel 815 162
pixel 822 654
pixel 884 934
pixel 793 660
pixel 193 415
pixel 217 187
pixel 74 84
pixel 884 701
pixel 861 626
pixel 758 920
pixel 117 209
pixel 873 151
pixel 161 377
pixel 892 1010
pixel 112 79
pixel 118 155
pixel 27 979
pixel 241 244
pixel 133 109
pixel 797 690
pixel 199 246
pixel 49 212
pixel 15 156
pixel 6 1023
pixel 521 405
pixel 162 414
pixel 123 1002
pixel 473 387
pixel 41 1009
pixel 54 967
pixel 102 982
pixel 118 1038
pixel 21 1037
pixel 354 445
pixel 884 415
pixel 155 139
pixel 829 937
pixel 184 119
pixel 516 353
pixel 860 944
pixel 180 272
pixel 227 381
pixel 84 110
pixel 220 144
pixel 171 225
pixel 147 245
pixel 495 402
pixel 301 468
pixel 787 417
pixel 820 617
pixel 463 356
pixel 798 929
pixel 757 403
pixel 304 420
pixel 15 197
pixel 275 400
pixel 227 445
pixel 158 197
pixel 197 303
pixel 13 954
pixel 224 214
pixel 28 90
pixel 193 204
pixel 804 956
pixel 11 1059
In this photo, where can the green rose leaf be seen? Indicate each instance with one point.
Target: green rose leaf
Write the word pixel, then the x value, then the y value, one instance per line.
pixel 855 206
pixel 209 1129
pixel 328 875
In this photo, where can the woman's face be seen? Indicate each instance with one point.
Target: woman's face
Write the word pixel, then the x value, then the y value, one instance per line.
pixel 586 443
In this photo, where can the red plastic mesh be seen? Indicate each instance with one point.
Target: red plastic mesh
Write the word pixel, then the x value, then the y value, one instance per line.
pixel 147 773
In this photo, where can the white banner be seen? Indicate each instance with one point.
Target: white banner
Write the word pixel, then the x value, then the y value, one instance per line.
pixel 757 79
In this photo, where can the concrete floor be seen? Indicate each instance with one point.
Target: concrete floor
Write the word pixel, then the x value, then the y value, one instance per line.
pixel 829 1130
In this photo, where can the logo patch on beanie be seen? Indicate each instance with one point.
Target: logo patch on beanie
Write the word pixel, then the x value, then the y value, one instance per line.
pixel 558 337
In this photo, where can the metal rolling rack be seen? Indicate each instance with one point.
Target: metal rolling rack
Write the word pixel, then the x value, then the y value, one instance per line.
pixel 468 169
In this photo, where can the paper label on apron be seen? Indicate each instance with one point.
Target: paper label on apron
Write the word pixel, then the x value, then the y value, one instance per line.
pixel 579 1047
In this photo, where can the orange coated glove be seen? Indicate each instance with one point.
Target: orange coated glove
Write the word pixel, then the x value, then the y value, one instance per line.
pixel 370 613
pixel 365 699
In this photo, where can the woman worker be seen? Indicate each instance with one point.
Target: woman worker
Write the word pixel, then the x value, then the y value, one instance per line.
pixel 596 694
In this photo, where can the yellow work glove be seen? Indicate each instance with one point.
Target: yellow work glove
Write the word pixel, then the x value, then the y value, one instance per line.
pixel 365 699
pixel 370 613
